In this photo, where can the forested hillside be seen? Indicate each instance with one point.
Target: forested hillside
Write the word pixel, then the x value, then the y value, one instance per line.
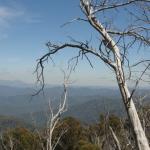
pixel 76 135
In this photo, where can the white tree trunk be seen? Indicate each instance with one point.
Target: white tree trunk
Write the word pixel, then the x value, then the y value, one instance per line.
pixel 138 131
pixel 140 137
pixel 115 138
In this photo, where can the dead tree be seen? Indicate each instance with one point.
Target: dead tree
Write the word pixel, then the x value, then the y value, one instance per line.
pixel 115 138
pixel 113 49
pixel 54 120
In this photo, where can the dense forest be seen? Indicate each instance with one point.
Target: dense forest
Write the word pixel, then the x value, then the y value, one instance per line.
pixel 75 135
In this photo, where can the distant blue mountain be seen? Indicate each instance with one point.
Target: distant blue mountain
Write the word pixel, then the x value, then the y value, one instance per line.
pixel 84 103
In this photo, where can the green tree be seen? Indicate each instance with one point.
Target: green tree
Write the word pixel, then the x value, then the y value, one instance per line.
pixel 21 139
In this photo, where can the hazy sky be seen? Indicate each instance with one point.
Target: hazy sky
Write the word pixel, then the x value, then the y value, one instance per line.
pixel 25 27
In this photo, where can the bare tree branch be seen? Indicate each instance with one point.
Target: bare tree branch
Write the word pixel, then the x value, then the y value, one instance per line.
pixel 55 117
pixel 110 52
pixel 115 138
pixel 113 6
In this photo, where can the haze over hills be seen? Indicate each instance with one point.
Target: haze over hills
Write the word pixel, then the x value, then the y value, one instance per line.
pixel 15 83
pixel 84 103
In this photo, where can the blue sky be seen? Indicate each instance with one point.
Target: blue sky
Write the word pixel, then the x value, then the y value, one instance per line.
pixel 25 27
